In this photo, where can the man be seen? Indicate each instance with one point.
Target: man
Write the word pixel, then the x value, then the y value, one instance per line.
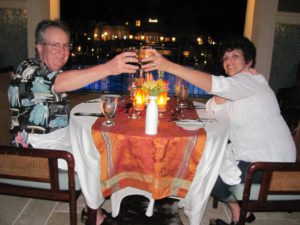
pixel 36 92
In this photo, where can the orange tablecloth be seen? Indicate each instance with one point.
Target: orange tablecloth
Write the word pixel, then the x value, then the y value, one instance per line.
pixel 163 164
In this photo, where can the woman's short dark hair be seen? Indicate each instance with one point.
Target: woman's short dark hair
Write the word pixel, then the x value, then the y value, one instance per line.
pixel 239 42
pixel 43 25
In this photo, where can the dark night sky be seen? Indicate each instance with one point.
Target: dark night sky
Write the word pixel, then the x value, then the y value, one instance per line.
pixel 213 16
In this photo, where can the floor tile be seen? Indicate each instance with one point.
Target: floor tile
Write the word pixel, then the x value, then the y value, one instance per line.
pixel 36 213
pixel 11 207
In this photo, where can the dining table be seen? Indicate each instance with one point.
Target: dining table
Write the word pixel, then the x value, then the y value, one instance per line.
pixel 93 163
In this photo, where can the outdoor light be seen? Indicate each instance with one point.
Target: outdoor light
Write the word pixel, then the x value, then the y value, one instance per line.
pixel 186 53
pixel 200 41
pixel 173 39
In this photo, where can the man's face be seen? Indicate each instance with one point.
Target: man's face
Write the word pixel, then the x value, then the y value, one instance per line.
pixel 234 62
pixel 55 52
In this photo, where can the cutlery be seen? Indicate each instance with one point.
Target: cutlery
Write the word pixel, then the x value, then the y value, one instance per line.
pixel 88 114
pixel 92 101
pixel 197 120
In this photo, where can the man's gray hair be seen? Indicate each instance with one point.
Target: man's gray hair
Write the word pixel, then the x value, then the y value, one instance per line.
pixel 42 27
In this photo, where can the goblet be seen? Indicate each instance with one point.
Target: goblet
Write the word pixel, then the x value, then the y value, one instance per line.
pixel 143 53
pixel 108 105
pixel 183 96
pixel 177 86
pixel 131 83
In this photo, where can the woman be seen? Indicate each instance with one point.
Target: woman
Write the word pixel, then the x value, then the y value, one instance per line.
pixel 257 130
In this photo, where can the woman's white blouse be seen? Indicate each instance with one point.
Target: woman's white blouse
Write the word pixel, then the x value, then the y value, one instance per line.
pixel 257 132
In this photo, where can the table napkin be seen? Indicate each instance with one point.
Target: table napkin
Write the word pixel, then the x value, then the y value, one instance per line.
pixel 58 139
pixel 190 124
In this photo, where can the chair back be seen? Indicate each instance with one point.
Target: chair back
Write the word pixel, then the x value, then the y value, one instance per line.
pixel 279 190
pixel 5 121
pixel 296 135
pixel 34 173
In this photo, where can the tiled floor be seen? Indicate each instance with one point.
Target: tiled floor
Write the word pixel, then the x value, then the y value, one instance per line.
pixel 27 211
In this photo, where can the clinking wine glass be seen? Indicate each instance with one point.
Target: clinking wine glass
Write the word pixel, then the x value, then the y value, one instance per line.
pixel 143 53
pixel 108 105
pixel 131 83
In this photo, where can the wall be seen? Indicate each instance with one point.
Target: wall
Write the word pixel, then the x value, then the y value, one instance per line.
pixel 16 32
pixel 274 29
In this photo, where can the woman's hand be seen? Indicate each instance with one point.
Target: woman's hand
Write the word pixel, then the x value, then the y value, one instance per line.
pixel 155 61
pixel 219 100
pixel 250 70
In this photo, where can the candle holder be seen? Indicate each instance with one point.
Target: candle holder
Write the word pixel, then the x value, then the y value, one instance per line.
pixel 162 103
pixel 138 103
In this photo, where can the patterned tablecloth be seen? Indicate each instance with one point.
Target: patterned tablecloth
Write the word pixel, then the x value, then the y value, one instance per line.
pixel 162 164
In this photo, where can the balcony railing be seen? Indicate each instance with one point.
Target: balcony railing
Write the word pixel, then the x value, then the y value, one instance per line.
pixel 119 85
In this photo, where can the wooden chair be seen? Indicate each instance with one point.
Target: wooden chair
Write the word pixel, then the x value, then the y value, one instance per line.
pixel 34 173
pixel 278 192
pixel 280 188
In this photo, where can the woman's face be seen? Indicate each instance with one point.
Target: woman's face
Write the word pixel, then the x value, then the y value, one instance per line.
pixel 234 62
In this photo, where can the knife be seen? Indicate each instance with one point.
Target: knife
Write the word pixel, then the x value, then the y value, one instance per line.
pixel 88 114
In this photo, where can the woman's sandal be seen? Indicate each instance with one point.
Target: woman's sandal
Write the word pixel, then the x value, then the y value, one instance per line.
pixel 107 217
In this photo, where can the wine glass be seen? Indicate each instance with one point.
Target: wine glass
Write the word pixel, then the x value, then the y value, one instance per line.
pixel 177 87
pixel 131 83
pixel 143 53
pixel 108 105
pixel 183 96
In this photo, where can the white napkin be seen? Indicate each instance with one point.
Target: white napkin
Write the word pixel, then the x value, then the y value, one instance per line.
pixel 199 104
pixel 59 140
pixel 190 124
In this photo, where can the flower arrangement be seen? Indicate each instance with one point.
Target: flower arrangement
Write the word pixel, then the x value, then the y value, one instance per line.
pixel 154 87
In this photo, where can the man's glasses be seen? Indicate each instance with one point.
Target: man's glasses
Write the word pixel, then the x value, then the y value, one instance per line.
pixel 59 46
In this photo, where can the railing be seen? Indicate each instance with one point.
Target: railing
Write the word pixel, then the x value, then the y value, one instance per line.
pixel 119 84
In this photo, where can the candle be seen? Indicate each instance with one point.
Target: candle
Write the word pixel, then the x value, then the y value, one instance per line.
pixel 139 100
pixel 162 101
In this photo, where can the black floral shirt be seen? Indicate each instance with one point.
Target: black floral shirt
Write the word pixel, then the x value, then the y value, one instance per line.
pixel 32 101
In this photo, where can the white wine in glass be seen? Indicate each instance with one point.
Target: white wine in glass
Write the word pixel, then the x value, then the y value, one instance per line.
pixel 108 105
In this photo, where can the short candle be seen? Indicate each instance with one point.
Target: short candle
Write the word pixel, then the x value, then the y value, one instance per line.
pixel 162 101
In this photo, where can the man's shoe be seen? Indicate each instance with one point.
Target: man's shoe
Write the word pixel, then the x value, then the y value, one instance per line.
pixel 250 218
pixel 84 216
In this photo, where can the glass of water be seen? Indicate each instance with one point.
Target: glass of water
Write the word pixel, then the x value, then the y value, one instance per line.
pixel 108 105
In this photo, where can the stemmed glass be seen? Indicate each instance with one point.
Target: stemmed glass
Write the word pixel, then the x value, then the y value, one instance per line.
pixel 177 87
pixel 108 104
pixel 131 75
pixel 183 96
pixel 143 53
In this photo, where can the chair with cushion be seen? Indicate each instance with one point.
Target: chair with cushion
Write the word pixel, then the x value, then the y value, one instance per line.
pixel 34 173
pixel 279 190
pixel 296 136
